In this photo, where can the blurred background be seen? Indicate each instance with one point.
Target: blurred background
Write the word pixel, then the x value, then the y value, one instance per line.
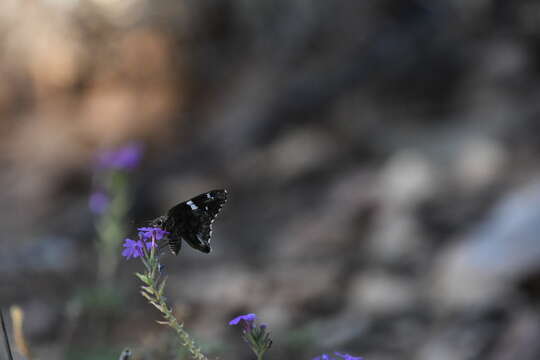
pixel 381 159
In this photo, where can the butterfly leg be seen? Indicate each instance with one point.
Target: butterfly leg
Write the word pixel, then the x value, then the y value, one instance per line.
pixel 163 245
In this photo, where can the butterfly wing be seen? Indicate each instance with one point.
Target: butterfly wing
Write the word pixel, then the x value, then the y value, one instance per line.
pixel 192 220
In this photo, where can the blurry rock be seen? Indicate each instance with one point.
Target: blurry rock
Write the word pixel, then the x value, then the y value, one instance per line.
pixel 228 286
pixel 298 283
pixel 504 60
pixel 397 238
pixel 465 335
pixel 238 118
pixel 408 178
pixel 296 288
pixel 471 10
pixel 442 350
pixel 374 292
pixel 313 235
pixel 301 151
pixel 224 289
pixel 479 163
pixel 345 327
pixel 45 254
pixel 297 153
pixel 335 224
pixel 277 315
pixel 521 339
pixel 483 266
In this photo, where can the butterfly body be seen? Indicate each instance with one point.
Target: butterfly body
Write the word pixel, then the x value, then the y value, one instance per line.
pixel 192 220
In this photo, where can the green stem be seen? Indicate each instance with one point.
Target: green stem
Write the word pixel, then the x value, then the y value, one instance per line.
pixel 110 226
pixel 160 303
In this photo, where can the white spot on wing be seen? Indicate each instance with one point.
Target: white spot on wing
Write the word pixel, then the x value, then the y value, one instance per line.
pixel 192 205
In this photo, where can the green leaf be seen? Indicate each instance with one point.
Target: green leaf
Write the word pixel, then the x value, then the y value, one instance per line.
pixel 146 265
pixel 148 289
pixel 162 286
pixel 148 297
pixel 144 278
pixel 158 306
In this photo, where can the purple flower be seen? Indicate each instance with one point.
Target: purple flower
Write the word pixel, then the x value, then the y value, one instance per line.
pixel 245 320
pixel 124 158
pixel 151 235
pixel 98 202
pixel 133 249
pixel 151 244
pixel 248 317
pixel 322 357
pixel 340 356
pixel 257 337
pixel 146 233
pixel 148 238
pixel 347 356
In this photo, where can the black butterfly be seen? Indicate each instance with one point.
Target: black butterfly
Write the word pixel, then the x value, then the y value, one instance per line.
pixel 192 220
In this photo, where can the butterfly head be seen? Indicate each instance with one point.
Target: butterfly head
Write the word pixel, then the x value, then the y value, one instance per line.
pixel 159 222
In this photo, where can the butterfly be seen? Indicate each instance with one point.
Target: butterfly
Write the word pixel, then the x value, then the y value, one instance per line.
pixel 192 220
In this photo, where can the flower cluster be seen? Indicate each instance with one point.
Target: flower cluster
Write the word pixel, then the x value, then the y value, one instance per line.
pixel 148 238
pixel 109 164
pixel 338 356
pixel 257 337
pixel 124 158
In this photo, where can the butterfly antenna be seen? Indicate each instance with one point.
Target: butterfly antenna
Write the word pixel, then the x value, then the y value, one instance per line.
pixel 6 338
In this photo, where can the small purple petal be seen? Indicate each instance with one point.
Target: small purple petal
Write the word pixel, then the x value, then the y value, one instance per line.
pixel 322 357
pixel 133 249
pixel 98 202
pixel 246 321
pixel 146 228
pixel 130 253
pixel 151 244
pixel 347 356
pixel 248 318
pixel 146 233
